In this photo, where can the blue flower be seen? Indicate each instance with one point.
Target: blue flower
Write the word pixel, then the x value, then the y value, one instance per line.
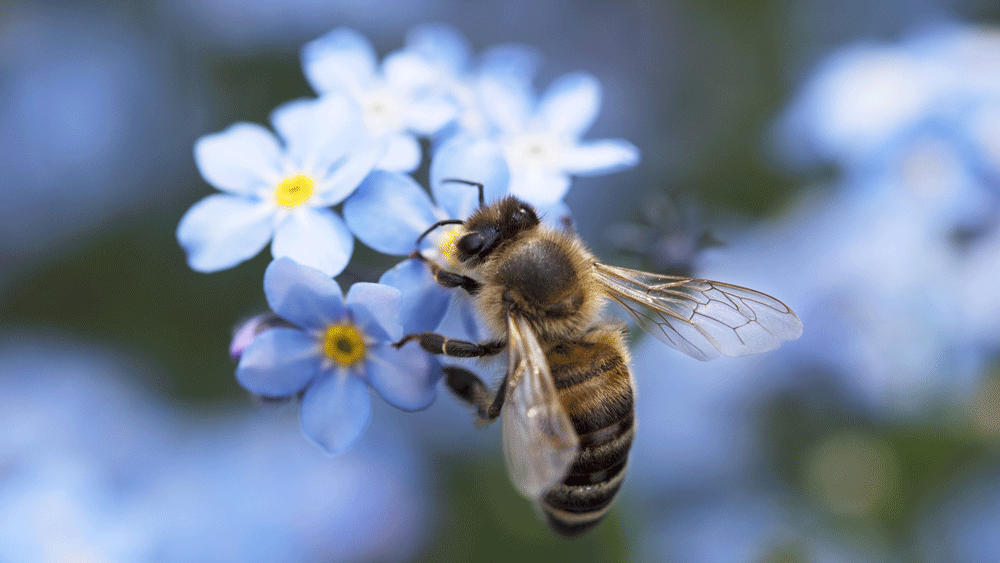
pixel 541 140
pixel 460 77
pixel 398 101
pixel 338 346
pixel 280 192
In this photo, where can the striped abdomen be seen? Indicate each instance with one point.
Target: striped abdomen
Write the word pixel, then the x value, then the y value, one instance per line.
pixel 595 388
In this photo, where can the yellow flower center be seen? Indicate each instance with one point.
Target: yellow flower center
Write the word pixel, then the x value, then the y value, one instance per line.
pixel 344 344
pixel 449 253
pixel 293 191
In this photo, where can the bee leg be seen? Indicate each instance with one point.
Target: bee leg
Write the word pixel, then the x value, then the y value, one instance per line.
pixel 468 387
pixel 440 344
pixel 449 279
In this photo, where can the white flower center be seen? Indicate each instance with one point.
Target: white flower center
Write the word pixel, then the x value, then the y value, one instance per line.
pixel 533 151
pixel 383 111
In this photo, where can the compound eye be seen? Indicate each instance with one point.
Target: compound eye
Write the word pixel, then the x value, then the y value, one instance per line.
pixel 470 244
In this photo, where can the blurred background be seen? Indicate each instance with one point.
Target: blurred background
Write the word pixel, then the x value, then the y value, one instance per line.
pixel 842 156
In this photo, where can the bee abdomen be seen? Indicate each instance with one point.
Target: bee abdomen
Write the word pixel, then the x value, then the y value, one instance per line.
pixel 585 495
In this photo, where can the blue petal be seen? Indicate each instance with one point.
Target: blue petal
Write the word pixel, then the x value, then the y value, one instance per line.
pixel 303 295
pixel 441 44
pixel 539 187
pixel 466 157
pixel 243 159
pixel 402 154
pixel 375 308
pixel 279 362
pixel 342 60
pixel 600 157
pixel 343 178
pixel 222 230
pixel 511 61
pixel 507 103
pixel 406 377
pixel 423 301
pixel 388 212
pixel 314 237
pixel 335 410
pixel 570 104
pixel 318 132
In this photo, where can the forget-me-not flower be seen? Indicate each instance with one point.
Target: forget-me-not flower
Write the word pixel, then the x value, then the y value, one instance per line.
pixel 398 101
pixel 460 76
pixel 280 192
pixel 541 139
pixel 338 348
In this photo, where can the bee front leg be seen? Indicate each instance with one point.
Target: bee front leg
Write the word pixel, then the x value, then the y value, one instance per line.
pixel 449 279
pixel 439 344
pixel 468 387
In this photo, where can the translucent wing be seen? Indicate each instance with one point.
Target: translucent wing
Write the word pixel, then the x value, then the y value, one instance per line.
pixel 539 441
pixel 699 317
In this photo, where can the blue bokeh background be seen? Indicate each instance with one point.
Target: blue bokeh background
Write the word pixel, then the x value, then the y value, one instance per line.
pixel 124 436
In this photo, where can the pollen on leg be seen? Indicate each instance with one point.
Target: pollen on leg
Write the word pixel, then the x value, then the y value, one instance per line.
pixel 294 191
pixel 344 344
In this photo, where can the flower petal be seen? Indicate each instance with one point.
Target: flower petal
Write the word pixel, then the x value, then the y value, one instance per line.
pixel 441 44
pixel 511 61
pixel 406 71
pixel 406 377
pixel 335 410
pixel 303 295
pixel 340 181
pixel 599 157
pixel 375 309
pixel 388 212
pixel 424 302
pixel 465 157
pixel 427 115
pixel 318 132
pixel 280 362
pixel 507 103
pixel 222 230
pixel 403 154
pixel 314 237
pixel 570 105
pixel 242 159
pixel 539 187
pixel 341 60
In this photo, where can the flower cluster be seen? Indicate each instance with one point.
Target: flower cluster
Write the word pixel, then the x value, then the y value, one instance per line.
pixel 354 146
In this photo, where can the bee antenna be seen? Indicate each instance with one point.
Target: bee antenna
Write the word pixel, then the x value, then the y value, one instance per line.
pixel 469 183
pixel 436 225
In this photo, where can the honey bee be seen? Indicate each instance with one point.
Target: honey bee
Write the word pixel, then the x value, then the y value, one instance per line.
pixel 567 396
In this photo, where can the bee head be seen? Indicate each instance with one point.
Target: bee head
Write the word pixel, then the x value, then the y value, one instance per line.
pixel 492 225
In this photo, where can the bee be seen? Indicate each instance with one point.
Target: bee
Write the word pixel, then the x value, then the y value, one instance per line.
pixel 567 396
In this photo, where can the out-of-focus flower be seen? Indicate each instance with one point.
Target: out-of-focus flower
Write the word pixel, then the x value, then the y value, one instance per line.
pixel 248 488
pixel 280 192
pixel 861 98
pixel 142 483
pixel 541 139
pixel 397 102
pixel 461 77
pixel 339 347
pixel 749 527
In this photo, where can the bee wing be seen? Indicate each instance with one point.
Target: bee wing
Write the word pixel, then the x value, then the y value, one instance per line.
pixel 539 441
pixel 699 317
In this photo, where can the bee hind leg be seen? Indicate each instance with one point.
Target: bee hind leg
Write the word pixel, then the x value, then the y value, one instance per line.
pixel 468 387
